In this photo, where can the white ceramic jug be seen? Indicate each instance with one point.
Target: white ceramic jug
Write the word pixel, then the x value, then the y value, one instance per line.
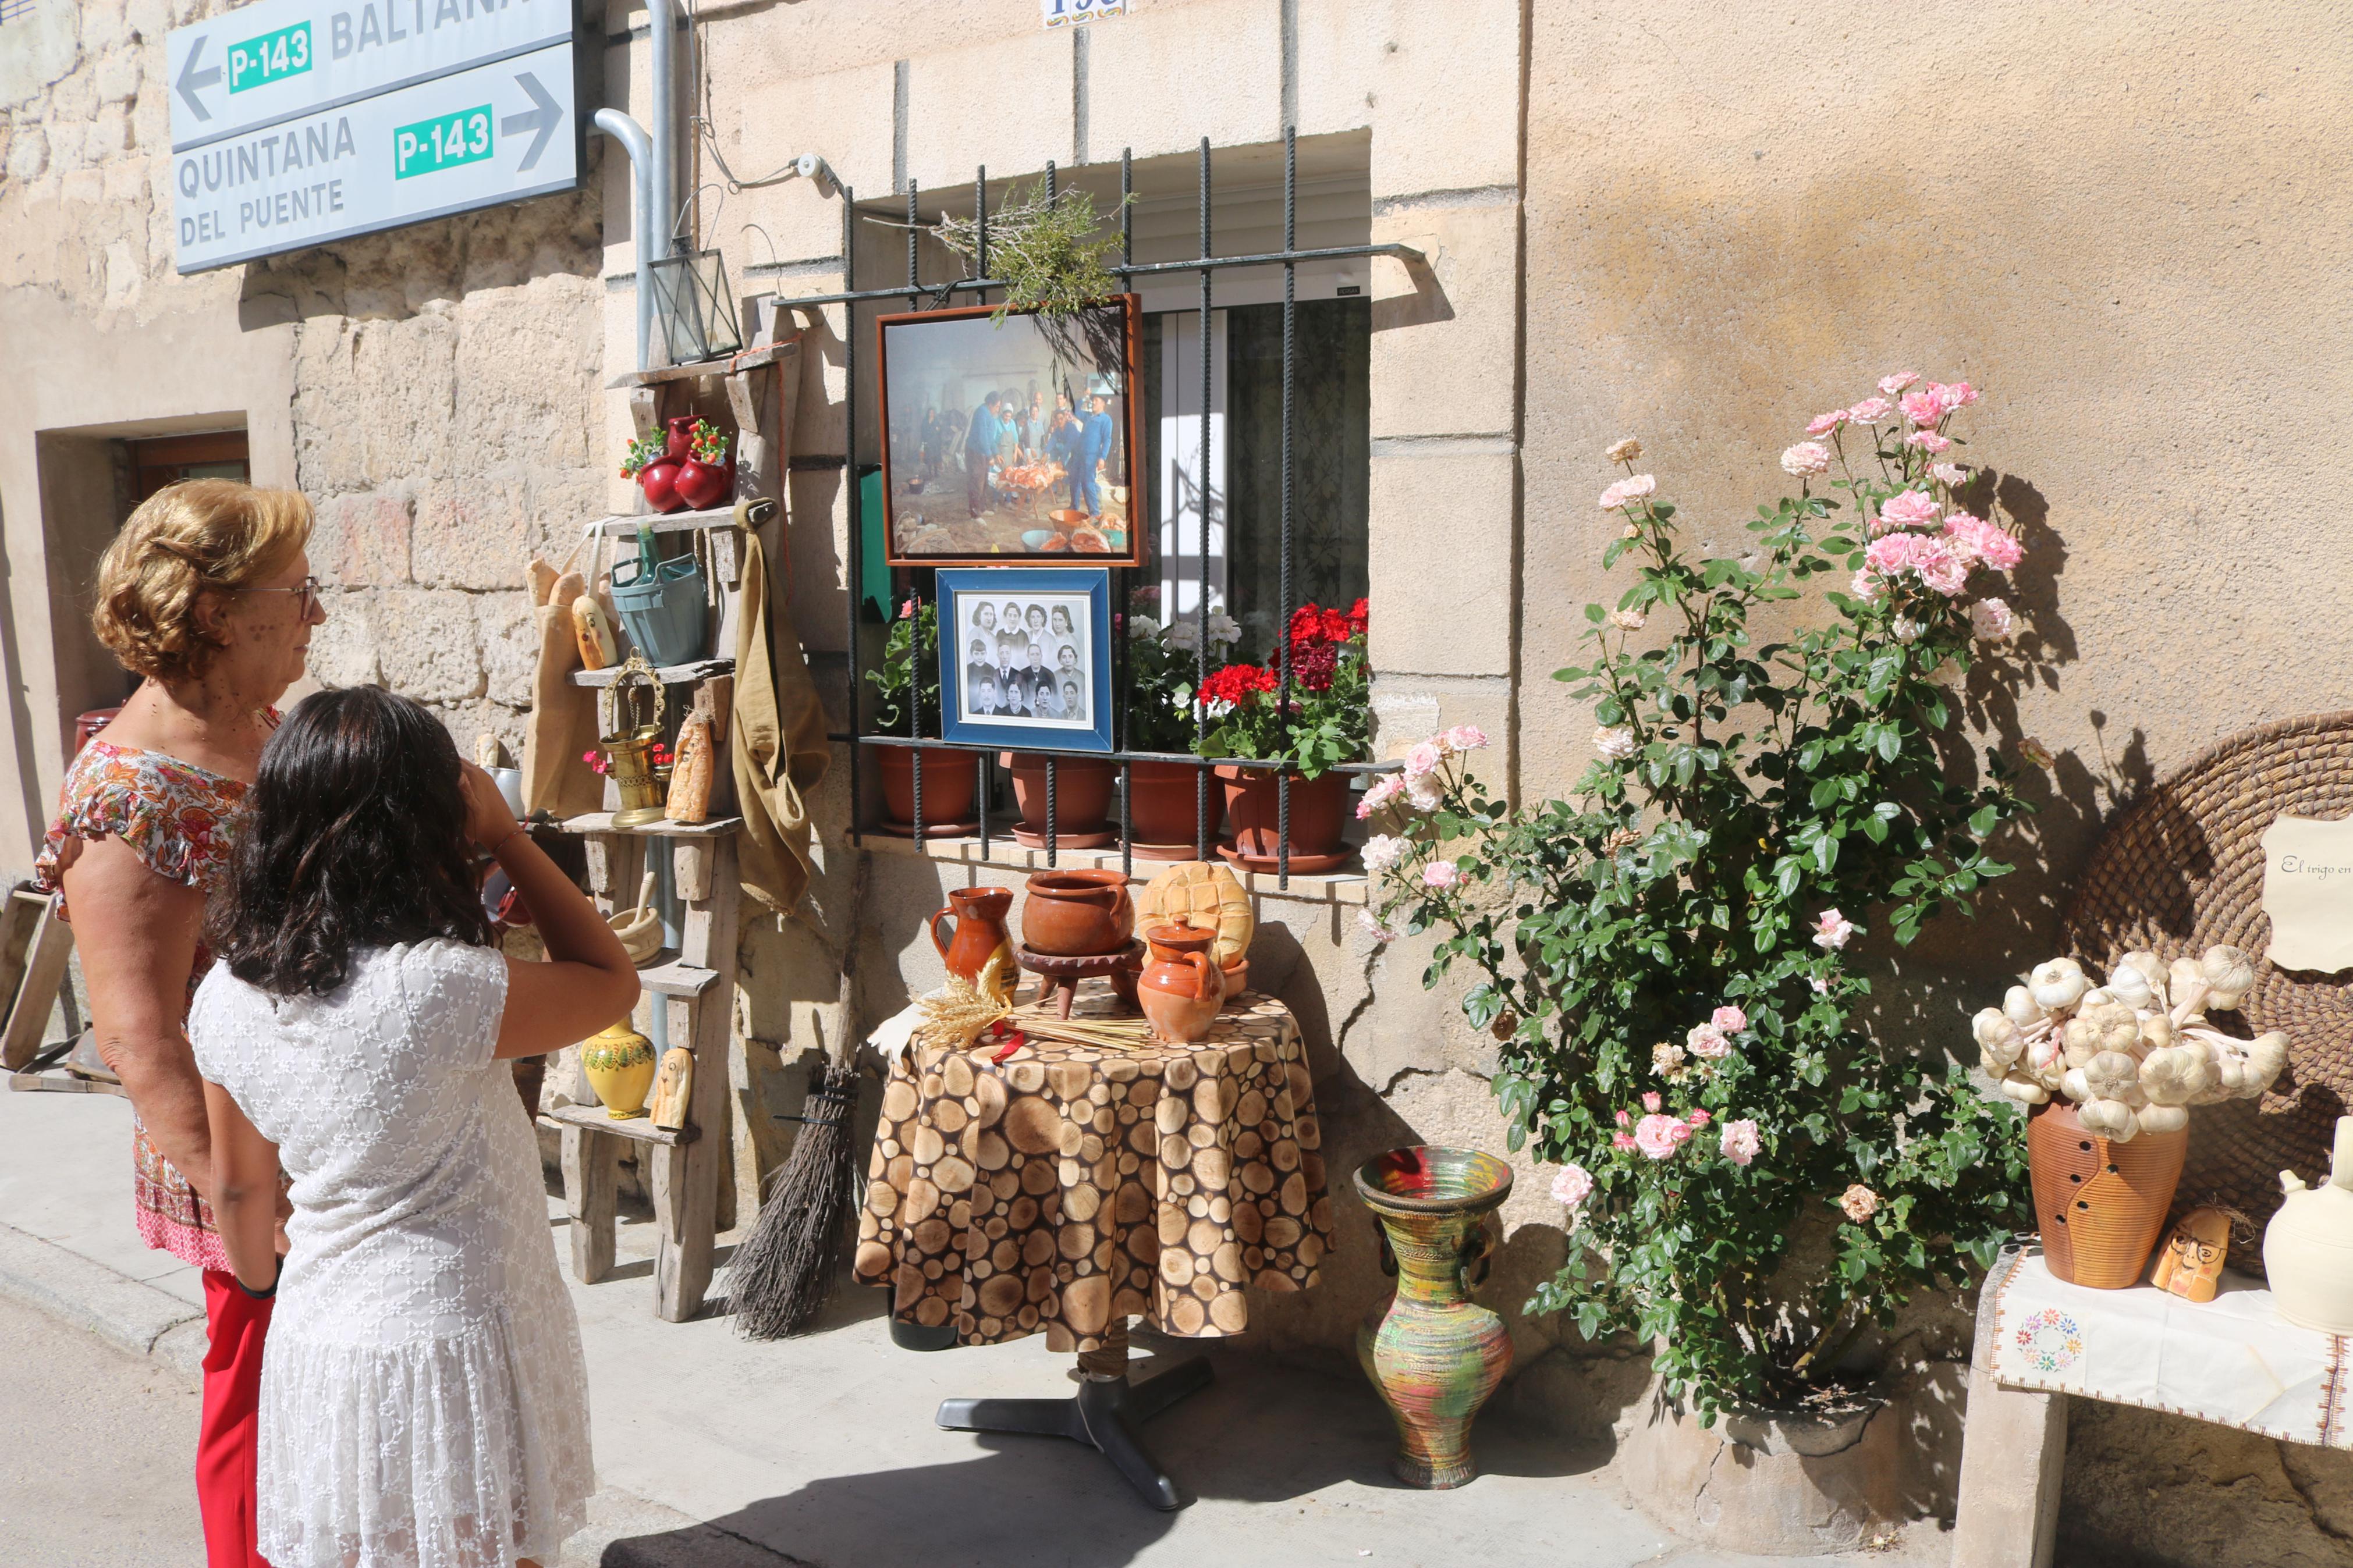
pixel 2309 1246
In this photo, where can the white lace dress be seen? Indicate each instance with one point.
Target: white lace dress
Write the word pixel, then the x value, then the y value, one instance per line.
pixel 424 1401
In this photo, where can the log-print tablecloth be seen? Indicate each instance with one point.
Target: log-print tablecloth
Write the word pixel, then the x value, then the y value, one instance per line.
pixel 1070 1187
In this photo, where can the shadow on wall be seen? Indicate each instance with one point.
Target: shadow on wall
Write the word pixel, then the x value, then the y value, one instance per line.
pixel 29 794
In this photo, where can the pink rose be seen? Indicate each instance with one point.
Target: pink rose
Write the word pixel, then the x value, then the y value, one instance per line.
pixel 1383 850
pixel 1823 423
pixel 1864 586
pixel 1929 441
pixel 1625 1118
pixel 1805 460
pixel 1651 1102
pixel 1572 1186
pixel 1707 1042
pixel 1698 1118
pixel 1860 1202
pixel 1656 1136
pixel 1943 571
pixel 1955 395
pixel 1626 491
pixel 1832 930
pixel 1740 1141
pixel 1988 542
pixel 1730 1019
pixel 1422 758
pixel 1466 737
pixel 1377 928
pixel 1991 620
pixel 1439 874
pixel 1909 509
pixel 1378 793
pixel 1922 409
pixel 1901 381
pixel 1871 411
pixel 1950 473
pixel 1620 1141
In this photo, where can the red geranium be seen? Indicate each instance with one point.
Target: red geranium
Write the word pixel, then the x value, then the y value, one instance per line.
pixel 1237 683
pixel 1313 667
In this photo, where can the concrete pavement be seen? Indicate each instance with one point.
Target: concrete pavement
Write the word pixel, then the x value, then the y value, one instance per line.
pixel 721 1454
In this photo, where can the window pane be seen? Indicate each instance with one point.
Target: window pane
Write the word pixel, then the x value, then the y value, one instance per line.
pixel 1331 456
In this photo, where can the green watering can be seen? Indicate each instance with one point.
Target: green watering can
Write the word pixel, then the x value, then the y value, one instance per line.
pixel 660 603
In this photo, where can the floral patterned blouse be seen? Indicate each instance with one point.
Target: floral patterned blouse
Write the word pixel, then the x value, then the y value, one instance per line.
pixel 180 820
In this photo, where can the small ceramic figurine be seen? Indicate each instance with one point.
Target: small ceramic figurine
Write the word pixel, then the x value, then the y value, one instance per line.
pixel 673 1087
pixel 2308 1246
pixel 2191 1266
pixel 594 630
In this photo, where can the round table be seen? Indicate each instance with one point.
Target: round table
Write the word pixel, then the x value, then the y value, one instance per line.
pixel 1068 1188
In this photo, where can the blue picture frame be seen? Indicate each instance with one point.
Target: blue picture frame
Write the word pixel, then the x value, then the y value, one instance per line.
pixel 1044 686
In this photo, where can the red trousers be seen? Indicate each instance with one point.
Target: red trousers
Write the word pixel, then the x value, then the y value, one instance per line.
pixel 225 1441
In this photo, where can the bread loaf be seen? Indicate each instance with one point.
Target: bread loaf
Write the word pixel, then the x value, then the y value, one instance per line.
pixel 690 775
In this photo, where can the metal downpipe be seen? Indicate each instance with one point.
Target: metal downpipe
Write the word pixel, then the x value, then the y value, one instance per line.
pixel 634 141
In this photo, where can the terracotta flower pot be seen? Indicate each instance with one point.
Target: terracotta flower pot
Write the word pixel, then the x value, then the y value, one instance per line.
pixel 1319 807
pixel 702 486
pixel 1161 799
pixel 2101 1205
pixel 1082 787
pixel 1077 914
pixel 1433 1352
pixel 947 792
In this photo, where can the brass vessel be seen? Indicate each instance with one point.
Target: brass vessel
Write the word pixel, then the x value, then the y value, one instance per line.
pixel 628 741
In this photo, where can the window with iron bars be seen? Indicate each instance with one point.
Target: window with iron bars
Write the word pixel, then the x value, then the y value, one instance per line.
pixel 1271 557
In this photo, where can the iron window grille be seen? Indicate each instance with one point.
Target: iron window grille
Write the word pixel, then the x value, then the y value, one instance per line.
pixel 915 293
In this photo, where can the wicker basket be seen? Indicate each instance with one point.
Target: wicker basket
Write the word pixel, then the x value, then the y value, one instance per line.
pixel 2183 869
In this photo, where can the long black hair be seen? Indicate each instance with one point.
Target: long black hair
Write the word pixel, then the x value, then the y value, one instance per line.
pixel 355 837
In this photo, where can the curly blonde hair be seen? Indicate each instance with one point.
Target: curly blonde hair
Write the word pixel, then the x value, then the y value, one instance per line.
pixel 199 534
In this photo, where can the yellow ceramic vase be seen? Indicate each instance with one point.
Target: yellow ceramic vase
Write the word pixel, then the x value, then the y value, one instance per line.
pixel 620 1063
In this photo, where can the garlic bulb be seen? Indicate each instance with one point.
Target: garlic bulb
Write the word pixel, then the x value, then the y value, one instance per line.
pixel 2175 1075
pixel 2109 1118
pixel 2151 967
pixel 2230 975
pixel 2187 984
pixel 2025 1090
pixel 2046 1054
pixel 2111 1075
pixel 2021 1008
pixel 2128 986
pixel 2074 1085
pixel 2118 1026
pixel 2163 1117
pixel 1997 1038
pixel 2082 1038
pixel 2156 1031
pixel 2266 1058
pixel 2057 984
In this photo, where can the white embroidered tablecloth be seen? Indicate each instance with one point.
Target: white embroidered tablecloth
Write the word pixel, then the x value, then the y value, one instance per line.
pixel 2230 1361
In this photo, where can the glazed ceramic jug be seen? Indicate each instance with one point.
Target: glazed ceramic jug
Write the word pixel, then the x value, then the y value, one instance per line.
pixel 979 916
pixel 620 1067
pixel 1181 988
pixel 2308 1246
pixel 1077 914
pixel 1434 1355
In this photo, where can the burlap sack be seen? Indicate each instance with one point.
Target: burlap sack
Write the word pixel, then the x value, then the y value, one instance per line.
pixel 563 727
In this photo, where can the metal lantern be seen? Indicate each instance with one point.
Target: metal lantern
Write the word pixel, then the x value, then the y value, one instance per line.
pixel 630 739
pixel 695 306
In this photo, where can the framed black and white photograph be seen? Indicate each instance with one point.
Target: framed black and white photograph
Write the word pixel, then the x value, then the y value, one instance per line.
pixel 1025 656
pixel 1012 437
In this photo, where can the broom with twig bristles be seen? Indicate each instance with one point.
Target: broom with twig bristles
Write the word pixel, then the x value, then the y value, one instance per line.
pixel 782 1274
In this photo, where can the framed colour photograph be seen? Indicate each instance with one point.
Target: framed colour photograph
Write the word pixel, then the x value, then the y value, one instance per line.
pixel 1025 657
pixel 1012 440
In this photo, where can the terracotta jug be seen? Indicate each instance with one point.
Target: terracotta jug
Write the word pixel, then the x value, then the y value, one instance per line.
pixel 1077 914
pixel 1182 988
pixel 2308 1246
pixel 979 916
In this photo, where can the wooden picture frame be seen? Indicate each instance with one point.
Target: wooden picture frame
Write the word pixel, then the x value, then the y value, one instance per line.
pixel 951 501
pixel 1064 643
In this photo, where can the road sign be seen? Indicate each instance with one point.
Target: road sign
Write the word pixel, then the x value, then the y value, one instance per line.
pixel 493 133
pixel 298 121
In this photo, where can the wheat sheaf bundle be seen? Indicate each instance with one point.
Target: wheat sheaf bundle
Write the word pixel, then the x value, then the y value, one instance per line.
pixel 960 1012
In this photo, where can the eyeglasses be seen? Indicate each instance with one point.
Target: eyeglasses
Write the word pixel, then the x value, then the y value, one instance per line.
pixel 308 589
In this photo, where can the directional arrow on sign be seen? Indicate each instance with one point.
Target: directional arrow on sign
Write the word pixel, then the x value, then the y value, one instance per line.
pixel 544 118
pixel 192 79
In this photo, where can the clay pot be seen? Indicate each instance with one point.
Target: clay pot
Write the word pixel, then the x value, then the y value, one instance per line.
pixel 1160 810
pixel 948 791
pixel 703 486
pixel 658 480
pixel 1082 787
pixel 1182 988
pixel 1434 1355
pixel 1077 914
pixel 678 443
pixel 980 936
pixel 1319 807
pixel 620 1066
pixel 2101 1205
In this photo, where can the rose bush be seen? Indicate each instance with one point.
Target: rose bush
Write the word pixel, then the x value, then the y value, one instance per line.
pixel 1665 955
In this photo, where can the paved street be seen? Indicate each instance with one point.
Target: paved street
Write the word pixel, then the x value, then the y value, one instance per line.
pixel 102 1451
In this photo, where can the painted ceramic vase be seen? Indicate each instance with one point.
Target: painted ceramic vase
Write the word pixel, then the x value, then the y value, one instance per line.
pixel 705 486
pixel 2100 1205
pixel 620 1066
pixel 2308 1246
pixel 1434 1355
pixel 980 936
pixel 1077 914
pixel 1181 989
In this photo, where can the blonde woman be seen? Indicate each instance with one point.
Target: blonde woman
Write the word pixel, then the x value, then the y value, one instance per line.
pixel 205 595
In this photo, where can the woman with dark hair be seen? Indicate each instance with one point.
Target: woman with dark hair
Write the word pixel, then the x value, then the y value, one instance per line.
pixel 424 1402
